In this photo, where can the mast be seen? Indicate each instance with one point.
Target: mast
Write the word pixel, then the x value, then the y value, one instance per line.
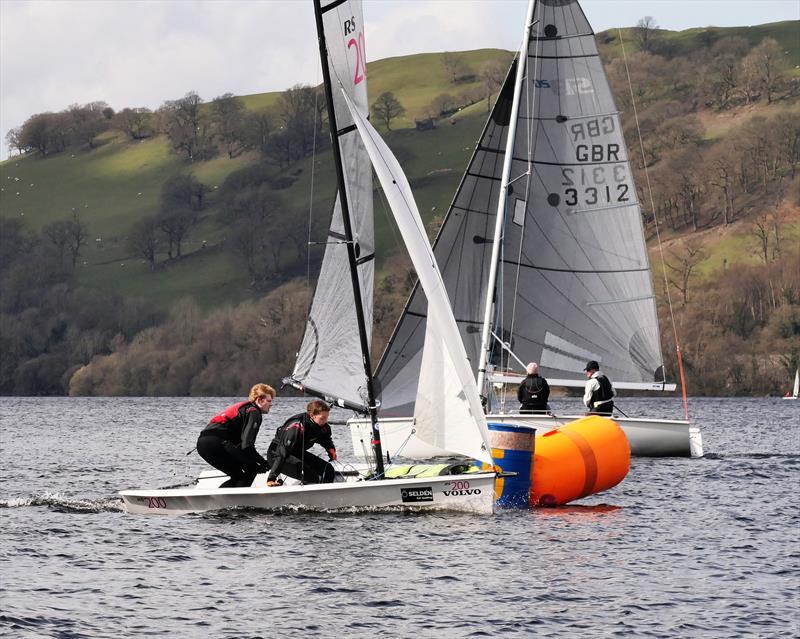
pixel 348 232
pixel 501 204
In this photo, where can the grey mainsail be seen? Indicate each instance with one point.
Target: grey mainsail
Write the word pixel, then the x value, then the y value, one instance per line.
pixel 574 280
pixel 330 361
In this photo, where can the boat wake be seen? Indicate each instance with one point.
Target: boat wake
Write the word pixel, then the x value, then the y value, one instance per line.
pixel 59 503
pixel 753 455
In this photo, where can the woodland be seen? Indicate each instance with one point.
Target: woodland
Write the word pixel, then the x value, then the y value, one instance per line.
pixel 712 119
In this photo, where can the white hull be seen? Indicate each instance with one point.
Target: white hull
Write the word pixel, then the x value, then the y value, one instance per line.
pixel 473 493
pixel 647 437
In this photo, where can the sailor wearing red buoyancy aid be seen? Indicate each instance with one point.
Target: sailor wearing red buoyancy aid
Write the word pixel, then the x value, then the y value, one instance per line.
pixel 288 454
pixel 228 441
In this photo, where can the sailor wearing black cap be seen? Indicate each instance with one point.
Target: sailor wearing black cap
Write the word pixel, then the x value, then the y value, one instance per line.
pixel 599 393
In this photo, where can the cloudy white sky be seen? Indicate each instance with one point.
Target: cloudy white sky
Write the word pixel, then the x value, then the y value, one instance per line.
pixel 54 53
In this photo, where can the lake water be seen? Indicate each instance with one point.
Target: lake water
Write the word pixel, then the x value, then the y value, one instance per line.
pixel 681 548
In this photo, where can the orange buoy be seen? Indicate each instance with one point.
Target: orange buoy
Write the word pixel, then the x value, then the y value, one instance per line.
pixel 578 459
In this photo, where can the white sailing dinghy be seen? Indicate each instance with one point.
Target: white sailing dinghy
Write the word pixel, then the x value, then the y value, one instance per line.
pixel 543 251
pixel 796 388
pixel 335 363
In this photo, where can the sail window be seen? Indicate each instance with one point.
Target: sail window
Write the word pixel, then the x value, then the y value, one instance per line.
pixel 519 212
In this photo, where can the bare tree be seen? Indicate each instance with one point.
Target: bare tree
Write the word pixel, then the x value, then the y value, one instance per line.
pixel 387 107
pixel 768 60
pixel 454 66
pixel 77 233
pixel 143 239
pixel 259 127
pixel 492 73
pixel 58 233
pixel 228 113
pixel 136 123
pixel 683 265
pixel 188 127
pixel 443 104
pixel 644 32
pixel 14 140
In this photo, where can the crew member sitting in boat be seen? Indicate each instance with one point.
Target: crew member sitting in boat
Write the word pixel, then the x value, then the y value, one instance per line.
pixel 228 442
pixel 288 454
pixel 599 393
pixel 533 392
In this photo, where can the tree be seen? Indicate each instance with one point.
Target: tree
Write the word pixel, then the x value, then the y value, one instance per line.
pixel 454 66
pixel 188 127
pixel 644 32
pixel 14 140
pixel 87 122
pixel 259 127
pixel 682 267
pixel 443 104
pixel 387 107
pixel 725 68
pixel 77 233
pixel 36 133
pixel 767 58
pixel 228 114
pixel 136 123
pixel 182 191
pixel 300 110
pixel 59 235
pixel 180 201
pixel 143 239
pixel 492 73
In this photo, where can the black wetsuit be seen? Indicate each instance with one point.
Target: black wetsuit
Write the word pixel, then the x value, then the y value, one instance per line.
pixel 228 444
pixel 288 454
pixel 532 394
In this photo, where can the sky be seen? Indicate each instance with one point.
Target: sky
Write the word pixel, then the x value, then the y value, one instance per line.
pixel 139 53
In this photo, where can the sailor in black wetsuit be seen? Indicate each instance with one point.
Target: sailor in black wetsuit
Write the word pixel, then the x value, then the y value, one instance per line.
pixel 533 392
pixel 228 442
pixel 599 393
pixel 288 454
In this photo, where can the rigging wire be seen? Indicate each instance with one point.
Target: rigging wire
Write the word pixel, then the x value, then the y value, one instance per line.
pixel 658 234
pixel 311 193
pixel 530 103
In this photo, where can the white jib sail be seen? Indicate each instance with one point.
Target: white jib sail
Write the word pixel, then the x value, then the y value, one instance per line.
pixel 448 410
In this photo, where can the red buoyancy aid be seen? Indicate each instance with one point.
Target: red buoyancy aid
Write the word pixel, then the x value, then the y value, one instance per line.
pixel 232 412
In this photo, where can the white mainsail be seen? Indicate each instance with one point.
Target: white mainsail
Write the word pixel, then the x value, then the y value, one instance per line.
pixel 330 361
pixel 448 409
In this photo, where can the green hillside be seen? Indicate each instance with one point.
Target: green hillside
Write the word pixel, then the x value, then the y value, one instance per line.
pixel 119 182
pixel 720 147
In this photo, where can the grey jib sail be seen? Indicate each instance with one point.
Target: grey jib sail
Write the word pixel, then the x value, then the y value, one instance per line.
pixel 574 280
pixel 329 361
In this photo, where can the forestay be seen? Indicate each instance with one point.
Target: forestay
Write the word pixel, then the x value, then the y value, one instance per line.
pixel 448 409
pixel 329 361
pixel 574 280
